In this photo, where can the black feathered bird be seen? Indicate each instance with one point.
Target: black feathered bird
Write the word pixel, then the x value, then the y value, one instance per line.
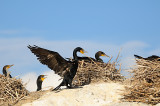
pixel 40 79
pixel 98 54
pixel 97 57
pixel 58 64
pixel 5 71
pixel 151 58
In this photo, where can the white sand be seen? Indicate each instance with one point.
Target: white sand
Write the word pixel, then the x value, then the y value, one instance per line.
pixel 90 95
pixel 103 94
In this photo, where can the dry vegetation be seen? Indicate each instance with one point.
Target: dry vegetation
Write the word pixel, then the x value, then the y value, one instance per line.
pixel 11 90
pixel 145 83
pixel 89 72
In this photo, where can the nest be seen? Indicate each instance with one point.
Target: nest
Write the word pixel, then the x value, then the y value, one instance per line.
pixel 11 90
pixel 90 72
pixel 145 83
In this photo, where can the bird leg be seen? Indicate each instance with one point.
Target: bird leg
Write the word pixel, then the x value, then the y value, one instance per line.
pixel 61 84
pixel 56 88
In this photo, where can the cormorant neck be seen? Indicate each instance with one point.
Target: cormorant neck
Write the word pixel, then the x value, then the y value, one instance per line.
pixel 39 85
pixel 5 72
pixel 75 57
pixel 98 57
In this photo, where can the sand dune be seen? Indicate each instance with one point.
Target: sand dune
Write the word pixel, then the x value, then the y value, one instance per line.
pixel 100 94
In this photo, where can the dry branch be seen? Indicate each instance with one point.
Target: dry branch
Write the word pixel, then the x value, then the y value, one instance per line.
pixel 11 90
pixel 89 72
pixel 145 83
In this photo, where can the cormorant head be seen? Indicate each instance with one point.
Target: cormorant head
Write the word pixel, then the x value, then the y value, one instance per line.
pixel 41 78
pixel 81 50
pixel 6 67
pixel 100 53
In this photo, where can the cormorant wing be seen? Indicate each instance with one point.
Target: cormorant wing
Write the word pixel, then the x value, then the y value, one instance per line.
pixel 50 58
pixel 153 57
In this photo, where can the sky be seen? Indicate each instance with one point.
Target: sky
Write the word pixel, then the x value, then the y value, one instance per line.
pixel 106 25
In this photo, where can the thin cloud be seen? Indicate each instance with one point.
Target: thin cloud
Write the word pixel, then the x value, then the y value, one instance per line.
pixel 8 32
pixel 20 31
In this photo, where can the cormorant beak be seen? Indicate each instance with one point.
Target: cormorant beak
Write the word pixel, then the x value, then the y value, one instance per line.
pixel 105 55
pixel 9 66
pixel 43 77
pixel 83 51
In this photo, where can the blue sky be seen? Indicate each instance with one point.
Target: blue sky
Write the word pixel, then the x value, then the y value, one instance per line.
pixel 108 25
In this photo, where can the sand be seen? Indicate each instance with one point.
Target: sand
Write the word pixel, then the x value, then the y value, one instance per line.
pixel 98 94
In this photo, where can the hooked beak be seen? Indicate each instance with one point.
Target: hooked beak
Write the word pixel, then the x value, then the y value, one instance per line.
pixel 45 76
pixel 83 51
pixel 105 55
pixel 11 65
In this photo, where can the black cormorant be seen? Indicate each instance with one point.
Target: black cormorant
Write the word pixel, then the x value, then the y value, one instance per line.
pixel 39 82
pixel 58 64
pixel 98 54
pixel 151 58
pixel 97 57
pixel 5 70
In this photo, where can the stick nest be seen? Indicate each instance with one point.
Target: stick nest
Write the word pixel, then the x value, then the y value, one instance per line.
pixel 90 72
pixel 145 83
pixel 11 90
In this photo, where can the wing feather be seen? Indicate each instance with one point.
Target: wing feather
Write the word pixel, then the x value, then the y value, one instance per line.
pixel 50 58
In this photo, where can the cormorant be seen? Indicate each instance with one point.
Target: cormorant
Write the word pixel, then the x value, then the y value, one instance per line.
pixel 39 82
pixel 98 54
pixel 97 57
pixel 151 58
pixel 5 70
pixel 57 63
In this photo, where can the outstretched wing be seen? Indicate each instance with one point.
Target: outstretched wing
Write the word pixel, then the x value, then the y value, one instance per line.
pixel 50 58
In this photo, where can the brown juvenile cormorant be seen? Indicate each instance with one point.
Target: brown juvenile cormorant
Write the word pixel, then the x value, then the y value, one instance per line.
pixel 58 64
pixel 39 82
pixel 5 70
pixel 151 58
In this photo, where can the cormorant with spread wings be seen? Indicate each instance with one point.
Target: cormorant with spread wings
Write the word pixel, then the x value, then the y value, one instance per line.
pixel 58 64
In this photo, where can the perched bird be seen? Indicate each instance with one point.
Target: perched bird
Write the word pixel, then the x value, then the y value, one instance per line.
pixel 151 58
pixel 98 54
pixel 62 67
pixel 97 57
pixel 5 70
pixel 39 81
